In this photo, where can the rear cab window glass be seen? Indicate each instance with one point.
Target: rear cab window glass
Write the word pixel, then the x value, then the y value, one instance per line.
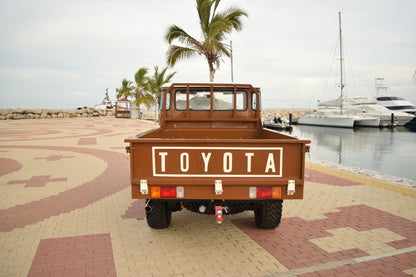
pixel 167 101
pixel 201 100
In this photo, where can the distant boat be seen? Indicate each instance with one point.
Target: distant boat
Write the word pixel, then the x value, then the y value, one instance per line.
pixel 105 103
pixel 333 115
pixel 374 110
pixel 393 103
pixel 333 118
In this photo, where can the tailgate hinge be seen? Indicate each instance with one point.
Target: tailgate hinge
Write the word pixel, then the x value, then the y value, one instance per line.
pixel 143 187
pixel 218 187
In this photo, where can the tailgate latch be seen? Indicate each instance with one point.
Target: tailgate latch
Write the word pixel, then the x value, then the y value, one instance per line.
pixel 218 187
pixel 291 187
pixel 143 187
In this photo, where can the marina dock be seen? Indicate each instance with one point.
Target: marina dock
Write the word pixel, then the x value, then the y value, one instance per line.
pixel 66 210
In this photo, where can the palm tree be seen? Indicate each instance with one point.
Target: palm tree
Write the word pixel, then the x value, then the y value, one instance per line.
pixel 142 96
pixel 155 83
pixel 125 90
pixel 215 26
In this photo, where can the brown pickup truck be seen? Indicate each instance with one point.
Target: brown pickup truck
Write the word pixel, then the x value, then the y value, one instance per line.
pixel 211 155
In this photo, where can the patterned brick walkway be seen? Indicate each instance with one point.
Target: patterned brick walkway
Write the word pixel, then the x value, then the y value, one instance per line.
pixel 66 210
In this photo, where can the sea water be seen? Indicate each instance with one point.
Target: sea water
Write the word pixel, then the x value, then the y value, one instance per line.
pixel 389 151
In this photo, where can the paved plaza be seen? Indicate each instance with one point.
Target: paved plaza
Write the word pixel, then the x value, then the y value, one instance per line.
pixel 66 210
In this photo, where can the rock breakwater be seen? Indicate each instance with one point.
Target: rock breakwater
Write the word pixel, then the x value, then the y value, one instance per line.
pixel 284 114
pixel 18 113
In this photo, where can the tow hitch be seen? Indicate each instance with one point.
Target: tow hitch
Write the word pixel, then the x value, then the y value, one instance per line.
pixel 218 214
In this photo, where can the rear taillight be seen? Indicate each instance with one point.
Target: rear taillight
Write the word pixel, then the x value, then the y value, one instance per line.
pixel 265 192
pixel 167 192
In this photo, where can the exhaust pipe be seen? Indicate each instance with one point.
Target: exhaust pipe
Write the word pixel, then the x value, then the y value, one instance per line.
pixel 202 209
pixel 148 206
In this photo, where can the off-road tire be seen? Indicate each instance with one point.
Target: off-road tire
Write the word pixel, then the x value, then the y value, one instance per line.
pixel 160 215
pixel 268 215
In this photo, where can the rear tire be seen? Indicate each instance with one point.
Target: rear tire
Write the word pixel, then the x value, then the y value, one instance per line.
pixel 268 215
pixel 159 217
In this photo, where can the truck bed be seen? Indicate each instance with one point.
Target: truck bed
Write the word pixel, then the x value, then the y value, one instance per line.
pixel 216 134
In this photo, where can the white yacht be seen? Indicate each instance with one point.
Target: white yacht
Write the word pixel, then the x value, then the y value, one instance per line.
pixel 374 110
pixel 335 117
pixel 395 104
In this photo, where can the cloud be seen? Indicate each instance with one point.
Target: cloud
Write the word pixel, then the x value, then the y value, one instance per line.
pixel 36 73
pixel 79 48
pixel 78 93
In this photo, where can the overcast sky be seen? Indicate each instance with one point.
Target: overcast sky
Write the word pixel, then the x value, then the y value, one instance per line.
pixel 64 54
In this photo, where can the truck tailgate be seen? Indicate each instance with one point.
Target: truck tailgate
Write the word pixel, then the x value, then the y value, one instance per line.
pixel 198 163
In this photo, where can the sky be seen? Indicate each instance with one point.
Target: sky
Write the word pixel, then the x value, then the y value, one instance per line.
pixel 60 54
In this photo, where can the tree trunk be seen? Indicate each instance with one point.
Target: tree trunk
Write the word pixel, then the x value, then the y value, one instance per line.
pixel 211 72
pixel 138 95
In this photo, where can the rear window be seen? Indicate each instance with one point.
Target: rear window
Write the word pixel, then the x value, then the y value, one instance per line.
pixel 200 100
pixel 167 101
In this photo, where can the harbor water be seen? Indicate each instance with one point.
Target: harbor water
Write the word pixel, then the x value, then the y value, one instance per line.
pixel 388 151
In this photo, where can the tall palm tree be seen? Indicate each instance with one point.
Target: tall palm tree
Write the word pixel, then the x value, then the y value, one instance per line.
pixel 155 83
pixel 125 90
pixel 142 96
pixel 215 26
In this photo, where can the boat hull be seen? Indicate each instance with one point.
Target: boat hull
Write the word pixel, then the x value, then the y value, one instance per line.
pixel 327 120
pixel 367 122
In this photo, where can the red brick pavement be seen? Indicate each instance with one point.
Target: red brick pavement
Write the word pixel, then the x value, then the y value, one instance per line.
pixel 37 181
pixel 390 266
pixel 113 179
pixel 54 158
pixel 8 166
pixel 136 210
pixel 31 135
pixel 324 178
pixel 87 141
pixel 89 255
pixel 290 244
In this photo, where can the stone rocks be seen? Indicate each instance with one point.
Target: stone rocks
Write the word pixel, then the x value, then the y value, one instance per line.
pixel 284 114
pixel 19 113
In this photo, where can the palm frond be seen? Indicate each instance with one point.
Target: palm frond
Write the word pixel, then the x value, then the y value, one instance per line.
pixel 178 52
pixel 214 26
pixel 125 90
pixel 233 16
pixel 140 76
pixel 176 32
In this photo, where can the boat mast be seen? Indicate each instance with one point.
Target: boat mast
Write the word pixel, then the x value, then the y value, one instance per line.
pixel 341 59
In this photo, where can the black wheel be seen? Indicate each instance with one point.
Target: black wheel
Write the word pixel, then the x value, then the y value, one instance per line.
pixel 159 216
pixel 268 215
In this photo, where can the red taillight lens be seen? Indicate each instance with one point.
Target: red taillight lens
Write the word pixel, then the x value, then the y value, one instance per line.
pixel 167 192
pixel 273 192
pixel 264 192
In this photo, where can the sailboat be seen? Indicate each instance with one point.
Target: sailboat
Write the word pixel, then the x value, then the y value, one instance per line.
pixel 331 113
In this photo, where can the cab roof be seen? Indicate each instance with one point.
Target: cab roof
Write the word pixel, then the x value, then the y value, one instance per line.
pixel 202 84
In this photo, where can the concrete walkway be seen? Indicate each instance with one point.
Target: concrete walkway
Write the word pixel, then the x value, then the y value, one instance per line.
pixel 66 210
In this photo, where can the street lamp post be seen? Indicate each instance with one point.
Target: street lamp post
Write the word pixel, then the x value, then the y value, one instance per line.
pixel 230 47
pixel 231 52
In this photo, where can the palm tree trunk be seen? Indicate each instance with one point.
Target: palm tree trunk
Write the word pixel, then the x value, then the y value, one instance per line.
pixel 138 103
pixel 211 72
